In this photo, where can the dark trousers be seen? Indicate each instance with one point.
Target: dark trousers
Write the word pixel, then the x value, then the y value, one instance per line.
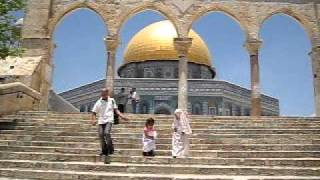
pixel 134 106
pixel 121 108
pixel 104 131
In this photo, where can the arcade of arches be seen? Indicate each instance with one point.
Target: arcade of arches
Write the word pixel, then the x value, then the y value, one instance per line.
pixel 43 16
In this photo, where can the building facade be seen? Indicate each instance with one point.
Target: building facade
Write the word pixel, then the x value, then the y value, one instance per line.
pixel 160 96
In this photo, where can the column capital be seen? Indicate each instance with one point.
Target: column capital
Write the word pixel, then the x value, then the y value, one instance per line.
pixel 182 46
pixel 315 50
pixel 111 42
pixel 315 55
pixel 253 46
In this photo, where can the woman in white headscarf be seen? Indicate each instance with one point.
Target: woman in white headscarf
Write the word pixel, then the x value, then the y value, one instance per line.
pixel 181 132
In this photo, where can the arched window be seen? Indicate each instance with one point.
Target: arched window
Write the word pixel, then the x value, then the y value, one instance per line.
pixel 144 107
pixel 82 108
pixel 196 109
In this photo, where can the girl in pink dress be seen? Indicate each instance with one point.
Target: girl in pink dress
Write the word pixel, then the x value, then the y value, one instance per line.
pixel 149 136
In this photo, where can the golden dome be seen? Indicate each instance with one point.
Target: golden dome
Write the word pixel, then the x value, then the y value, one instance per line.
pixel 155 42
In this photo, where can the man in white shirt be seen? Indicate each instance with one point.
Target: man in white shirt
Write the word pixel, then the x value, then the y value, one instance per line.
pixel 104 110
pixel 134 100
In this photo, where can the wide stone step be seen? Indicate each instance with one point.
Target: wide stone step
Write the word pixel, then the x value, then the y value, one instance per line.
pixel 237 147
pixel 196 153
pixel 170 119
pixel 163 168
pixel 194 124
pixel 302 162
pixel 72 119
pixel 43 174
pixel 131 123
pixel 231 154
pixel 161 134
pixel 29 119
pixel 215 140
pixel 166 130
pixel 142 118
pixel 63 157
pixel 164 122
pixel 65 146
pixel 53 115
pixel 161 159
pixel 49 156
pixel 160 130
pixel 3 178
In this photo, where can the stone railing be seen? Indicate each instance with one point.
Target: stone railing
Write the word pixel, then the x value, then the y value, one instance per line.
pixel 18 97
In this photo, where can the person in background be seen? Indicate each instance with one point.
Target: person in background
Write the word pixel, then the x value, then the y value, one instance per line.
pixel 134 97
pixel 122 99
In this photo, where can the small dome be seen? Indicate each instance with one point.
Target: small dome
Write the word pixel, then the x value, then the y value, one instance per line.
pixel 155 42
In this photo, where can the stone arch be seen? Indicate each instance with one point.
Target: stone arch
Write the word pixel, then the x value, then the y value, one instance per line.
pixel 63 17
pixel 82 108
pixel 60 14
pixel 217 8
pixel 162 109
pixel 297 16
pixel 159 8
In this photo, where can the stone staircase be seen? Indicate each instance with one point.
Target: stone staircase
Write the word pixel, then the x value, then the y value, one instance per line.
pixel 46 145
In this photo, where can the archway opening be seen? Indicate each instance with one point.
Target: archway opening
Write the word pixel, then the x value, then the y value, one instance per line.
pixel 225 37
pixel 132 71
pixel 131 27
pixel 79 57
pixel 285 66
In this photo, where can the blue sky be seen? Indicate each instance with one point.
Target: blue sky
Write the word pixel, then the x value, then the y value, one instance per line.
pixel 285 66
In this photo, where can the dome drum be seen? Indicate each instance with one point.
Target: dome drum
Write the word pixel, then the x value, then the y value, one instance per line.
pixel 164 69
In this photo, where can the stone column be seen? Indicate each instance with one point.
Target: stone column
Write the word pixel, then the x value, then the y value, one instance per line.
pixel 182 46
pixel 36 42
pixel 253 49
pixel 112 45
pixel 46 76
pixel 315 57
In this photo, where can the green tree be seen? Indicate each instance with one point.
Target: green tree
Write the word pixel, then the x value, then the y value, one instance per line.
pixel 10 32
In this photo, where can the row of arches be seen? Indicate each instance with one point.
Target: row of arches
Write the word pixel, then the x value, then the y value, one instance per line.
pixel 192 16
pixel 223 61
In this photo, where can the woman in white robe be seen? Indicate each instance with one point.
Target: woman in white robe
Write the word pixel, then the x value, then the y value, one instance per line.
pixel 181 133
